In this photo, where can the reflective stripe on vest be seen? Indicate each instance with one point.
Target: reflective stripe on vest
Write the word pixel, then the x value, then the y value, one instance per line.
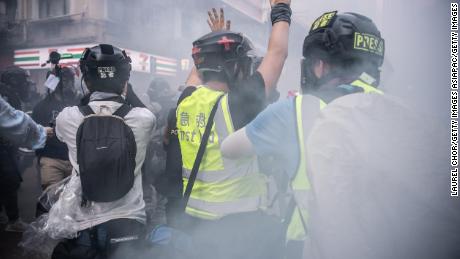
pixel 307 108
pixel 367 88
pixel 222 186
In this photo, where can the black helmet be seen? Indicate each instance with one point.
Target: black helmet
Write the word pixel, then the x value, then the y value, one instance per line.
pixel 159 89
pixel 223 52
pixel 14 76
pixel 17 80
pixel 106 67
pixel 68 73
pixel 349 40
pixel 67 83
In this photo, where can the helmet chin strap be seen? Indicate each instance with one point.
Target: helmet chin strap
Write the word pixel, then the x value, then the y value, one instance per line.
pixel 232 74
pixel 309 81
pixel 81 86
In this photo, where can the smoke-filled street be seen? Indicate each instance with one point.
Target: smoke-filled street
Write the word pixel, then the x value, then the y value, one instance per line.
pixel 223 129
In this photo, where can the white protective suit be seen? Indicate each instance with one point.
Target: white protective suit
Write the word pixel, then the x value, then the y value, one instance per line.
pixel 380 177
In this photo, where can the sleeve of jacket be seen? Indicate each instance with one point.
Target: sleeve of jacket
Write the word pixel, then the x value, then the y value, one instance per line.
pixel 19 128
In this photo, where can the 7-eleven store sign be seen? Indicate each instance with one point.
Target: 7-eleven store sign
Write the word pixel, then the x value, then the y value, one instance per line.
pixel 141 62
pixel 34 58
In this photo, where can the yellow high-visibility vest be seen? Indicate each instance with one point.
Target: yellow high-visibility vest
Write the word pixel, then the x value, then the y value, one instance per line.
pixel 307 109
pixel 222 186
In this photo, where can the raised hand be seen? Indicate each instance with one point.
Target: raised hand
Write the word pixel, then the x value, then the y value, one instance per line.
pixel 217 22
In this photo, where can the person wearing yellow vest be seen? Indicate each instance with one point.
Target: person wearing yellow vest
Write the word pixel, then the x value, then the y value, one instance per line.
pixel 225 207
pixel 342 55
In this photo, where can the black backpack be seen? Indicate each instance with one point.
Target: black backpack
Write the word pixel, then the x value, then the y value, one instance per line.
pixel 106 152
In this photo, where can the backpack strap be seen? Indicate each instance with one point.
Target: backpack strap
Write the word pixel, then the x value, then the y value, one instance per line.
pixel 123 110
pixel 86 110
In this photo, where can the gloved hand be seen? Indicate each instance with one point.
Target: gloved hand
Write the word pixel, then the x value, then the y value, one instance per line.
pixel 160 235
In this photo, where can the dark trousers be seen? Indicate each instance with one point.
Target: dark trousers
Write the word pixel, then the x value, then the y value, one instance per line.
pixel 251 235
pixel 9 197
pixel 174 212
pixel 115 239
pixel 10 180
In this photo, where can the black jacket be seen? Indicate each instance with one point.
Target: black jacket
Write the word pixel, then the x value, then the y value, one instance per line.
pixel 9 172
pixel 45 113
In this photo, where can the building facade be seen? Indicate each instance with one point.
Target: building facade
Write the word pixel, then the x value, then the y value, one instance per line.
pixel 157 34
